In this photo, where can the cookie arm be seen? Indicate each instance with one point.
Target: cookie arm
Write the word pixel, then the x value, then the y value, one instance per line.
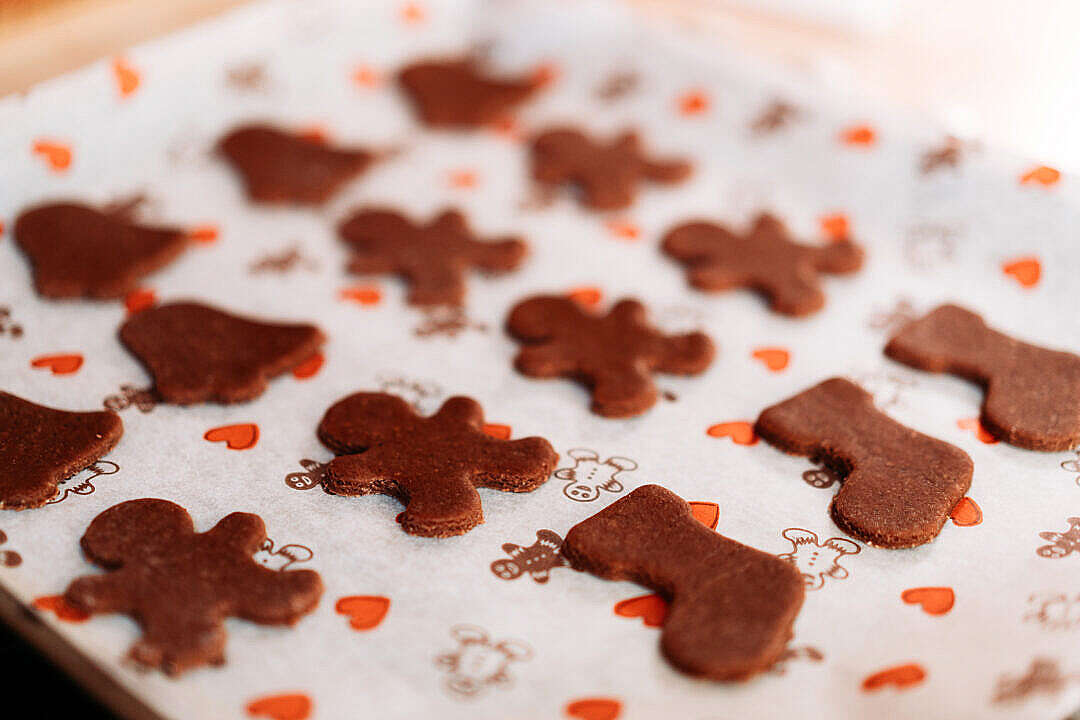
pixel 273 597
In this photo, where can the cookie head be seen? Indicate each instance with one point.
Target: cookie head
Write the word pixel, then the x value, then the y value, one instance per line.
pixel 281 167
pixel 615 354
pixel 460 93
pixel 79 251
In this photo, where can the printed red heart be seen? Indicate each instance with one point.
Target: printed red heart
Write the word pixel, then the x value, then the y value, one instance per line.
pixel 314 133
pixel 507 128
pixel 499 432
pixel 1041 175
pixel 623 229
pixel 309 367
pixel 127 77
pixel 594 709
pixel 1025 270
pixel 706 513
pixel 934 600
pixel 741 432
pixel 140 299
pixel 413 13
pixel 58 605
pixel 365 76
pixel 774 358
pixel 290 706
pixel 975 426
pixel 463 179
pixel 56 154
pixel 835 226
pixel 693 102
pixel 966 513
pixel 362 294
pixel 365 611
pixel 64 364
pixel 899 676
pixel 652 609
pixel 235 437
pixel 545 74
pixel 859 135
pixel 586 296
pixel 205 234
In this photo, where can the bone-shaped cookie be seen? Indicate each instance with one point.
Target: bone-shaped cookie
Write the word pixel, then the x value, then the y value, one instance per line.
pixel 765 259
pixel 433 465
pixel 432 257
pixel 614 354
pixel 180 585
pixel 898 485
pixel 731 607
pixel 606 173
pixel 1032 393
pixel 457 92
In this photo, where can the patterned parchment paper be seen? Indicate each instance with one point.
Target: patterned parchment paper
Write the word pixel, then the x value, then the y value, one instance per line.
pixel 982 623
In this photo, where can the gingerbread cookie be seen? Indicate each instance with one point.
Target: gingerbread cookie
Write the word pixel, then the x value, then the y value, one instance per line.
pixel 432 258
pixel 180 585
pixel 281 167
pixel 606 173
pixel 731 607
pixel 41 447
pixel 458 93
pixel 764 259
pixel 899 485
pixel 197 353
pixel 433 465
pixel 1032 393
pixel 77 251
pixel 614 354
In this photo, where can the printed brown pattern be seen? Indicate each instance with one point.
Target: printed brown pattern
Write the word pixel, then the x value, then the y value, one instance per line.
pixel 816 559
pixel 479 662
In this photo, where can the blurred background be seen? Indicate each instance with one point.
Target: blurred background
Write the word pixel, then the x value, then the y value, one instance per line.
pixel 1003 72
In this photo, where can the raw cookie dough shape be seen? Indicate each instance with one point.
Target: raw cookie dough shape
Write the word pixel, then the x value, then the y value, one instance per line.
pixel 458 93
pixel 731 607
pixel 898 485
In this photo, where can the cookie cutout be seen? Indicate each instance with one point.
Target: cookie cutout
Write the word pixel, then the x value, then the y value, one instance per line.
pixel 433 258
pixel 1031 391
pixel 615 355
pixel 731 607
pixel 898 485
pixel 458 93
pixel 764 259
pixel 197 353
pixel 433 465
pixel 281 167
pixel 41 447
pixel 180 585
pixel 78 251
pixel 607 173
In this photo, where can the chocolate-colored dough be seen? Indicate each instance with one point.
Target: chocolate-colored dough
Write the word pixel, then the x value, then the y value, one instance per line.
pixel 77 251
pixel 457 92
pixel 615 355
pixel 1032 393
pixel 764 259
pixel 606 173
pixel 40 447
pixel 899 485
pixel 281 167
pixel 197 353
pixel 731 607
pixel 433 465
pixel 433 258
pixel 180 585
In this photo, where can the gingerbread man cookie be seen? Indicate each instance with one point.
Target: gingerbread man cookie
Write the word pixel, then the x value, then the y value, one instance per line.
pixel 432 258
pixel 765 259
pixel 281 167
pixel 41 447
pixel 732 607
pixel 433 465
pixel 78 251
pixel 197 353
pixel 606 173
pixel 458 93
pixel 180 585
pixel 614 354
pixel 1032 393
